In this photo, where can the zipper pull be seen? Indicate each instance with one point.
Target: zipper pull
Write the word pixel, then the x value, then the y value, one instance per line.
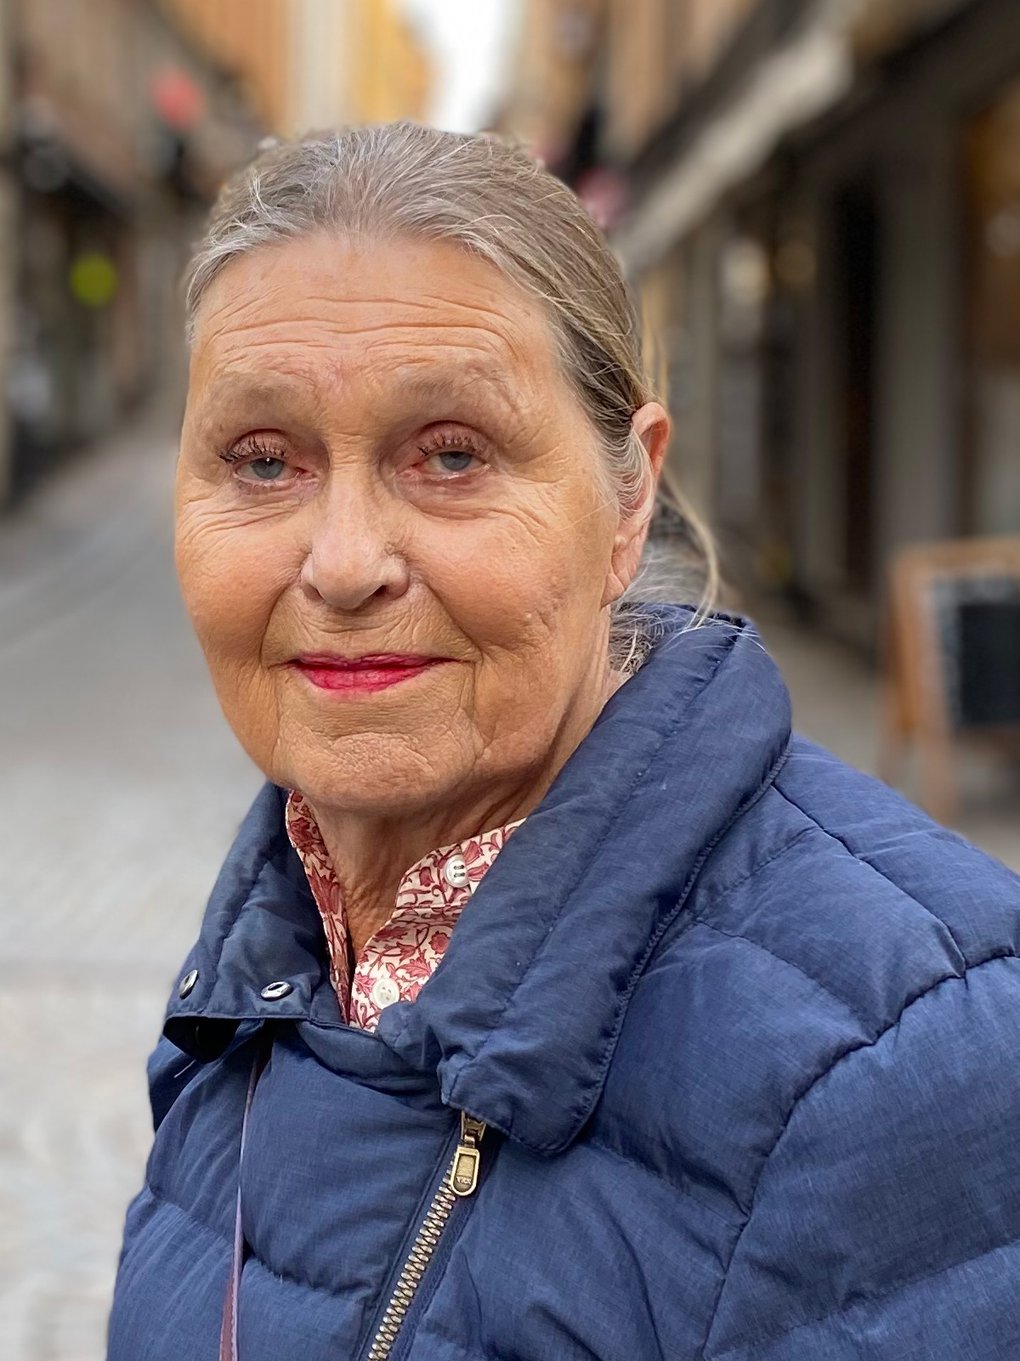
pixel 467 1159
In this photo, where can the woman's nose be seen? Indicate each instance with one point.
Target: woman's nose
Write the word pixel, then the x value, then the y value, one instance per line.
pixel 351 559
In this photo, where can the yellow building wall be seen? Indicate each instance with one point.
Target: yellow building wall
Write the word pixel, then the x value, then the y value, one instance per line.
pixel 369 66
pixel 645 49
pixel 391 76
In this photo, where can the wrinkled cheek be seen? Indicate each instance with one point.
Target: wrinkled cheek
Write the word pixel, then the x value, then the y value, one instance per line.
pixel 229 595
pixel 527 605
pixel 230 627
pixel 229 630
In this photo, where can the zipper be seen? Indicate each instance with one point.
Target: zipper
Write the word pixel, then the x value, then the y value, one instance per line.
pixel 461 1180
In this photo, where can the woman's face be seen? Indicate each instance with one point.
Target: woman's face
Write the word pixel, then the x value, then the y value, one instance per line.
pixel 392 533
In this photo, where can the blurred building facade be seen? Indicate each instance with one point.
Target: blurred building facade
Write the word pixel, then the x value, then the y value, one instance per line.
pixel 309 64
pixel 819 201
pixel 253 39
pixel 119 119
pixel 116 130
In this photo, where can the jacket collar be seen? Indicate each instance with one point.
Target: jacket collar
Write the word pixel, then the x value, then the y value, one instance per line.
pixel 520 1020
pixel 261 927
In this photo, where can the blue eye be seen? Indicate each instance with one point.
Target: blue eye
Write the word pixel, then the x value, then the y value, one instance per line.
pixel 455 460
pixel 253 460
pixel 267 469
pixel 451 457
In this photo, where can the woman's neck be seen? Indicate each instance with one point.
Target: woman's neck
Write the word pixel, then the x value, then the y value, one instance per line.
pixel 371 855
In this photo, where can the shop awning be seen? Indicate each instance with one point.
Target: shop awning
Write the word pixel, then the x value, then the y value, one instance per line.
pixel 798 81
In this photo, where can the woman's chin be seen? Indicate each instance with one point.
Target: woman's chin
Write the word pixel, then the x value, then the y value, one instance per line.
pixel 373 775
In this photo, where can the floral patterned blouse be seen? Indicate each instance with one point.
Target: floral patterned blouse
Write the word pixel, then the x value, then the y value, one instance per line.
pixel 403 954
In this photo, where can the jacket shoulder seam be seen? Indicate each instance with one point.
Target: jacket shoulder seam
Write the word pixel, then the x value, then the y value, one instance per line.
pixel 722 892
pixel 718 894
pixel 798 1100
pixel 863 860
pixel 781 959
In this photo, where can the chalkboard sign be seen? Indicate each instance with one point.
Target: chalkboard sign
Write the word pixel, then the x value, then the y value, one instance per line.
pixel 978 621
pixel 952 655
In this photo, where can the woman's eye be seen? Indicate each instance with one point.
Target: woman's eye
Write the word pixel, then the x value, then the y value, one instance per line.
pixel 256 464
pixel 451 461
pixel 266 469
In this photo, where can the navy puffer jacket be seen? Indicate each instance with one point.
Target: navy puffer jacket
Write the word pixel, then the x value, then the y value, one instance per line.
pixel 744 1030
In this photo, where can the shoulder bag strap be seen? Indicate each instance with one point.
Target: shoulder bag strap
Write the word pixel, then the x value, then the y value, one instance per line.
pixel 228 1327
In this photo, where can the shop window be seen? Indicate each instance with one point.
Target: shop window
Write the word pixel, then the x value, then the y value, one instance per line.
pixel 856 252
pixel 990 491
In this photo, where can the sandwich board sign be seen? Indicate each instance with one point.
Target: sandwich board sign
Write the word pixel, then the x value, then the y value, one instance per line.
pixel 952 657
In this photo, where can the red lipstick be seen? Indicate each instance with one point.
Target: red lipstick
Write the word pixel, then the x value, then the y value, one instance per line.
pixel 362 675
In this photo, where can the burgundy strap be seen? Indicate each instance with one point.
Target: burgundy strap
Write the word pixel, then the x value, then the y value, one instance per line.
pixel 228 1328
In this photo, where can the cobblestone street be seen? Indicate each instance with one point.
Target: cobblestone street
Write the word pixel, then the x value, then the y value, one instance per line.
pixel 121 787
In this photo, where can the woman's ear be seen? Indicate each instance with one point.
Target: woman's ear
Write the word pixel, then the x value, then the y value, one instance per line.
pixel 650 424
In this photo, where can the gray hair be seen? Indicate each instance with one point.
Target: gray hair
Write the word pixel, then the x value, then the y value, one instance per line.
pixel 493 199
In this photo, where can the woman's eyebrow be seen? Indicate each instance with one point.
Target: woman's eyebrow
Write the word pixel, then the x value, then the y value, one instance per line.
pixel 254 399
pixel 471 384
pixel 479 389
pixel 453 383
pixel 241 389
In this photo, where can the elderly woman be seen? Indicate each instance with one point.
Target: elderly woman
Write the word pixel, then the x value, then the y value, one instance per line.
pixel 553 1002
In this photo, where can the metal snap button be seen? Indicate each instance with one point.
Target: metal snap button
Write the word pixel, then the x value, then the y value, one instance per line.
pixel 455 872
pixel 187 983
pixel 272 992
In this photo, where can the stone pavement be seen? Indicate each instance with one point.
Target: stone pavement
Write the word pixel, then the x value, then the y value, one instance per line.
pixel 120 787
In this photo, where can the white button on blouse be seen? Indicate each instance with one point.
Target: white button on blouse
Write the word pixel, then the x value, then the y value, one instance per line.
pixel 403 953
pixel 455 872
pixel 385 992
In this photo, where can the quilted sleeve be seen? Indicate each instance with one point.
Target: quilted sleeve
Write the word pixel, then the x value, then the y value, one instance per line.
pixel 886 1220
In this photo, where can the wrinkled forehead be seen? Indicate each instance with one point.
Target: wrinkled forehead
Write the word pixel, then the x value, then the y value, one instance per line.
pixel 341 318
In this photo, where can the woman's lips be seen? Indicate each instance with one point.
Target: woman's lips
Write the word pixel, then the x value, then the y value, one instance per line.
pixel 362 675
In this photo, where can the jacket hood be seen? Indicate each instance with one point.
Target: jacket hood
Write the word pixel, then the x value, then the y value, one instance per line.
pixel 520 1020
